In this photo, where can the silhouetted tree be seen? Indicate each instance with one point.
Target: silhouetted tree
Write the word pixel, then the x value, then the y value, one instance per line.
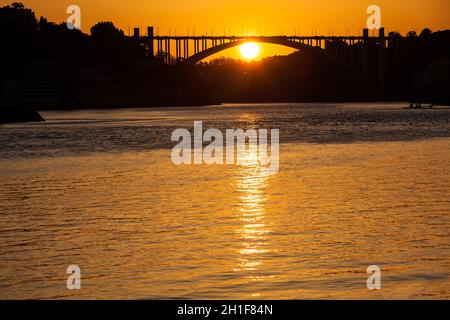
pixel 106 31
pixel 42 21
pixel 425 33
pixel 16 17
pixel 17 5
pixel 395 34
pixel 163 56
pixel 411 34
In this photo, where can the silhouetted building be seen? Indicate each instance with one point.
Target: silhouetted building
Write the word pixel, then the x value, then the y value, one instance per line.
pixel 433 84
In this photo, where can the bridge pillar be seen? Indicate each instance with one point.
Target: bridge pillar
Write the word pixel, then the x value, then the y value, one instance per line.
pixel 150 38
pixel 158 47
pixel 136 32
pixel 365 55
pixel 186 48
pixel 382 59
pixel 204 46
pixel 167 50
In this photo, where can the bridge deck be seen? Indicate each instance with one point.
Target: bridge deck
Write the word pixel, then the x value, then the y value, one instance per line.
pixel 230 38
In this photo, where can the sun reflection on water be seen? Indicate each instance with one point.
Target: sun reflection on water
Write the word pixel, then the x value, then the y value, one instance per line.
pixel 251 184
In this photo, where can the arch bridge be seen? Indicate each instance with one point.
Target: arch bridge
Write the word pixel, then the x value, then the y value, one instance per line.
pixel 350 52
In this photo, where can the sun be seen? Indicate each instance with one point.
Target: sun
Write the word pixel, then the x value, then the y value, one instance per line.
pixel 249 50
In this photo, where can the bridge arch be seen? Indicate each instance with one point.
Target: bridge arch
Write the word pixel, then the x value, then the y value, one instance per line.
pixel 278 41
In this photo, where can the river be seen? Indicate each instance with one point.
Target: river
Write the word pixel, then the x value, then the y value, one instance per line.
pixel 358 185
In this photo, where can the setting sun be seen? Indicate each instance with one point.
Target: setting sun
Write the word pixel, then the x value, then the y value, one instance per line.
pixel 249 50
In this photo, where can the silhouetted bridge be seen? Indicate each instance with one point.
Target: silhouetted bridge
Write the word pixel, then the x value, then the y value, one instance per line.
pixel 354 53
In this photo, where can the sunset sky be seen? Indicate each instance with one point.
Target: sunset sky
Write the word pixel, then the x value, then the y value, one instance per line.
pixel 238 17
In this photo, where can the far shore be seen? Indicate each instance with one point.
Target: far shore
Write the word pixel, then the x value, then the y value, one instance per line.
pixel 19 114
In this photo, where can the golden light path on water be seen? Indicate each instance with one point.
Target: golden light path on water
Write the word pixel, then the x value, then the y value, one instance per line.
pixel 251 184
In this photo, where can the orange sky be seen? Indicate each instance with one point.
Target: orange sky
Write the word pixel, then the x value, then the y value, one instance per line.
pixel 251 16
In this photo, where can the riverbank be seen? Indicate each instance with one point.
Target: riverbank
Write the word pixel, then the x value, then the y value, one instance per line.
pixel 16 115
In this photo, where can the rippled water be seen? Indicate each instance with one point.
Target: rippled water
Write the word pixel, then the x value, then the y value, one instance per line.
pixel 359 184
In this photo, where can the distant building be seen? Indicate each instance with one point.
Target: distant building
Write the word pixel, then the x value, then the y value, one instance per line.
pixel 433 84
pixel 40 86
